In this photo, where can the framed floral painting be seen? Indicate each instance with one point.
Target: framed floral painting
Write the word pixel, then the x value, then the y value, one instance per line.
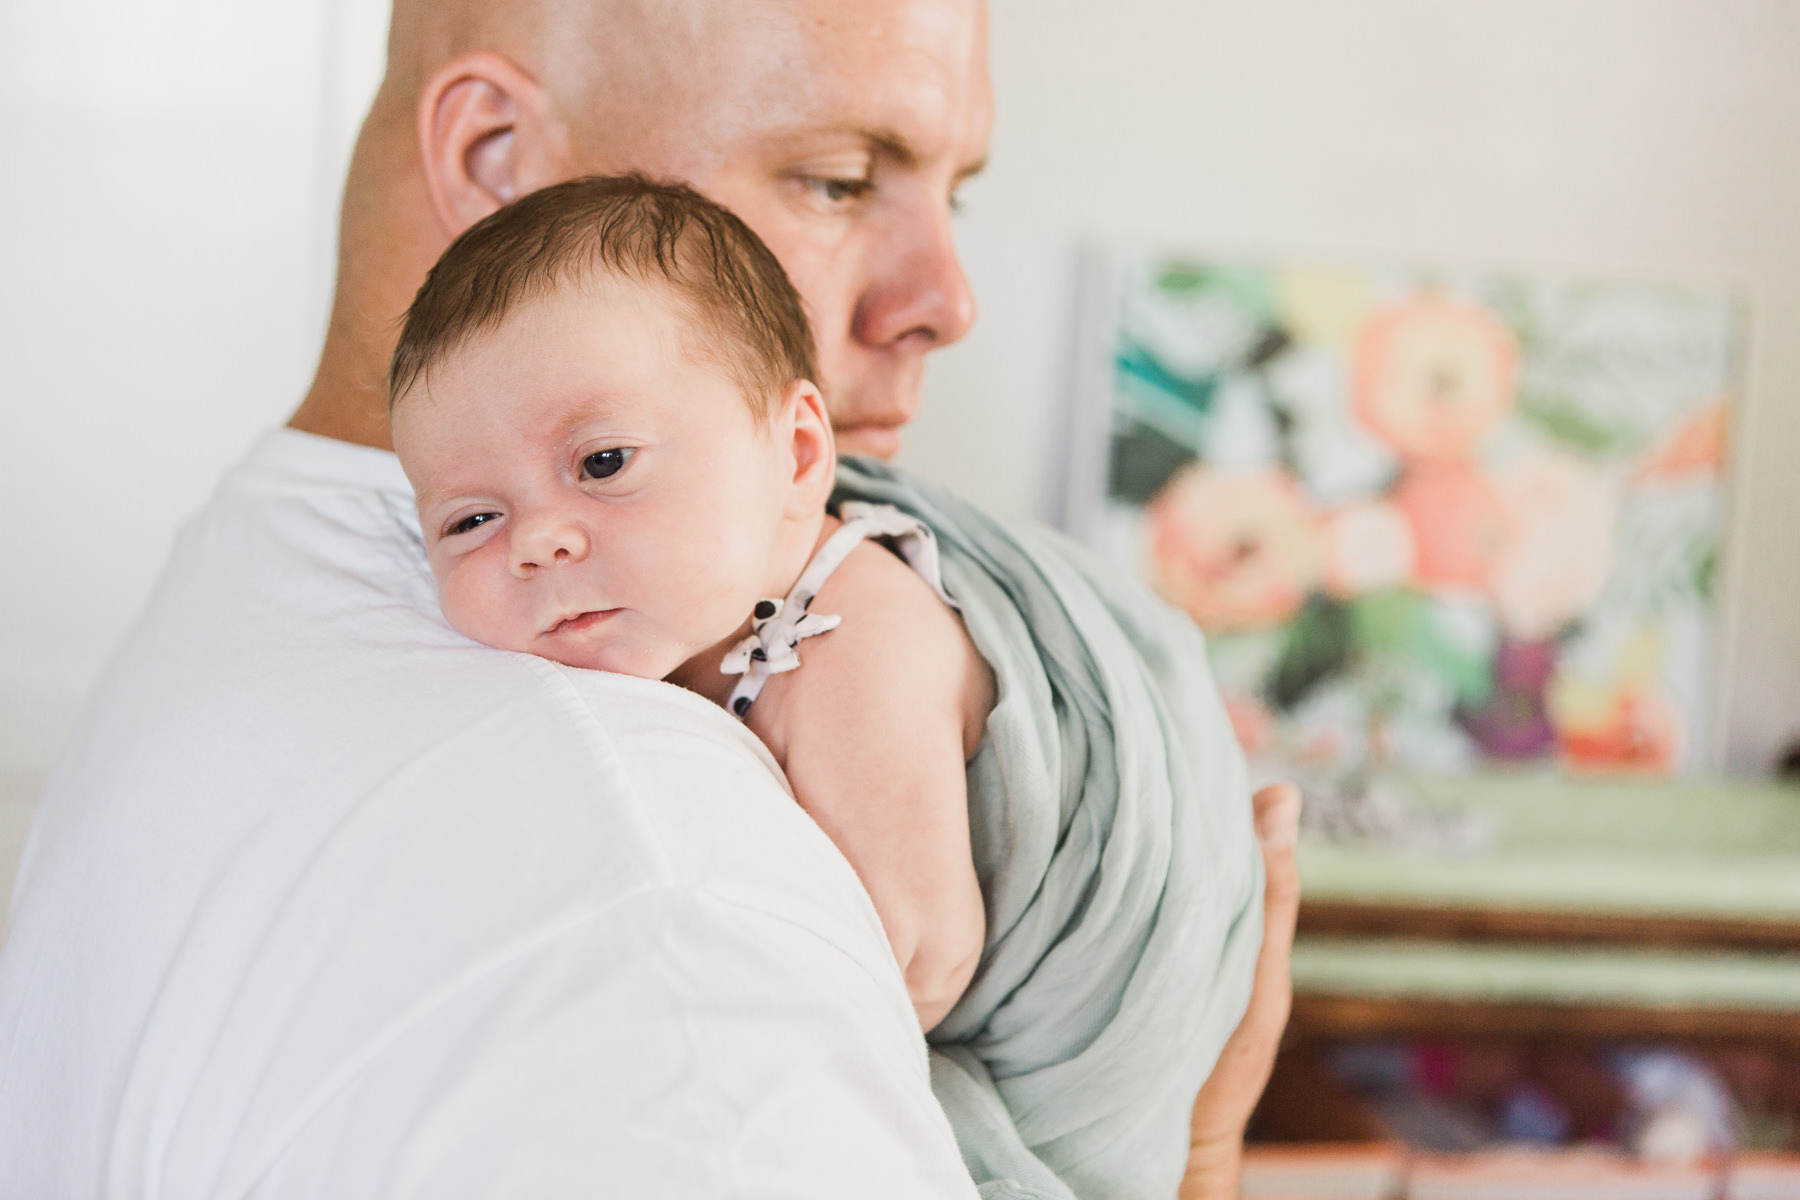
pixel 1429 522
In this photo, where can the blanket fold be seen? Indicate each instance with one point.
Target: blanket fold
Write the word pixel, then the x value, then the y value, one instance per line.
pixel 1110 820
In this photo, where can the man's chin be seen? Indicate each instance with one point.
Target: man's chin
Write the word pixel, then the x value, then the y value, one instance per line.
pixel 876 441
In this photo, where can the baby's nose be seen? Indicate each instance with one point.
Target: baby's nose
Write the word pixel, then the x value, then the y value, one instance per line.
pixel 545 542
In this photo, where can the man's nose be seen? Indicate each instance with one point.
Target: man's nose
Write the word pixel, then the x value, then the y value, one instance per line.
pixel 546 540
pixel 921 291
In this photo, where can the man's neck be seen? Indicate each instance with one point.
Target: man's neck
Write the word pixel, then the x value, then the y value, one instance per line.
pixel 348 397
pixel 387 242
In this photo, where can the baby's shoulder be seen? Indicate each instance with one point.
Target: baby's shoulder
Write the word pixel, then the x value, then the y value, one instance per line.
pixel 875 580
pixel 889 614
pixel 899 646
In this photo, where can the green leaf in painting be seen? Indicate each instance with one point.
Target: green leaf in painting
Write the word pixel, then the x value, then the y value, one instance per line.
pixel 1142 459
pixel 1565 423
pixel 1318 646
pixel 1249 289
pixel 1139 363
pixel 1405 628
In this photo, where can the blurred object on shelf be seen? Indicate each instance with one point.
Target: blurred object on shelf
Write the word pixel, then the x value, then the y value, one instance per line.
pixel 1680 1110
pixel 1342 1171
pixel 1660 1101
pixel 1365 807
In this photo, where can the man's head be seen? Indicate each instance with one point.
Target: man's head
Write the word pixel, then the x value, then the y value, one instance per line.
pixel 742 313
pixel 838 129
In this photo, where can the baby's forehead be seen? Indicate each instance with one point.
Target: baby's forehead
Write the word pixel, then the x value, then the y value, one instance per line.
pixel 538 361
pixel 564 306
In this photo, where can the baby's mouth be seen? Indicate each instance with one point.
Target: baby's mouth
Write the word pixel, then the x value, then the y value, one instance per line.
pixel 581 621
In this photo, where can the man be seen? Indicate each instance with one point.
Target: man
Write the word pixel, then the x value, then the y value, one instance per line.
pixel 324 901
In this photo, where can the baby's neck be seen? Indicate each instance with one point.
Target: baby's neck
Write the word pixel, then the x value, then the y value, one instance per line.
pixel 700 674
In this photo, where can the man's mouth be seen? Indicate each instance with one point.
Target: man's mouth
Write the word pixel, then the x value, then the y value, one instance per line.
pixel 581 621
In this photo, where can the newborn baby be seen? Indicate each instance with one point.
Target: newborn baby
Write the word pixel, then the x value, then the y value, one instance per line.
pixel 603 399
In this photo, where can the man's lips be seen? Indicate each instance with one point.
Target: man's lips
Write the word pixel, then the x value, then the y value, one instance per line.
pixel 586 620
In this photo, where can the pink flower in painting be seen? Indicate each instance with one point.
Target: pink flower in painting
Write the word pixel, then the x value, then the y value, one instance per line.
pixel 1563 517
pixel 1459 521
pixel 1697 448
pixel 1432 377
pixel 1368 547
pixel 1234 549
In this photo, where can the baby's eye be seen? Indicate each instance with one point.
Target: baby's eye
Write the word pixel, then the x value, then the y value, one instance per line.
pixel 470 523
pixel 603 464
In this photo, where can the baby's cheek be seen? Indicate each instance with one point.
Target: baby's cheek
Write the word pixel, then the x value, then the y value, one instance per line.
pixel 474 609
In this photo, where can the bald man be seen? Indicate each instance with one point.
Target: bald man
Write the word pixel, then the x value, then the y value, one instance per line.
pixel 324 900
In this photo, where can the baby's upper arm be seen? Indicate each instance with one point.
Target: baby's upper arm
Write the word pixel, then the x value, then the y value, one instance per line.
pixel 873 730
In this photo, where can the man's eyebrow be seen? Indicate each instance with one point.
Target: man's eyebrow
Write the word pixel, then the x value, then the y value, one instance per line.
pixel 894 145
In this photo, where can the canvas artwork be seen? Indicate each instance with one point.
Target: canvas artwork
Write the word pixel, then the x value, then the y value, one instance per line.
pixel 1430 522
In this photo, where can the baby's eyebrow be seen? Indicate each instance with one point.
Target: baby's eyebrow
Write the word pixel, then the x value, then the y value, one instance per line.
pixel 441 497
pixel 583 411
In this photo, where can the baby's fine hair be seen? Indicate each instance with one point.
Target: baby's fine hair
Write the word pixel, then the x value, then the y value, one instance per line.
pixel 745 312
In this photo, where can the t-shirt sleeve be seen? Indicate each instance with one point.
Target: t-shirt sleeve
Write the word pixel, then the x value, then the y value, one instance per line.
pixel 759 1061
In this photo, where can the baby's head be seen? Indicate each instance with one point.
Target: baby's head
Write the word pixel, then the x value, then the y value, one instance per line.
pixel 602 397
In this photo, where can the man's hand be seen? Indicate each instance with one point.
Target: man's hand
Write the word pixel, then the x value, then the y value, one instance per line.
pixel 1224 1105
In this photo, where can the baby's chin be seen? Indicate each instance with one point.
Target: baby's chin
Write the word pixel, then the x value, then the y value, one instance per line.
pixel 616 656
pixel 617 641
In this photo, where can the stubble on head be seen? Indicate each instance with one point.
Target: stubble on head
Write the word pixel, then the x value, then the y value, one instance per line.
pixel 757 103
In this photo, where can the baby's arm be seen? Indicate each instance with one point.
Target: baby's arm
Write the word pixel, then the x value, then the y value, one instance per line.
pixel 874 731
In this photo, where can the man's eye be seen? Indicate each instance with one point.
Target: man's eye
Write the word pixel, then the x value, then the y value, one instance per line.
pixel 603 464
pixel 470 523
pixel 839 190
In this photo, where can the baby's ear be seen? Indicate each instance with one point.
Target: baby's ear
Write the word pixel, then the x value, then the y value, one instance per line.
pixel 800 419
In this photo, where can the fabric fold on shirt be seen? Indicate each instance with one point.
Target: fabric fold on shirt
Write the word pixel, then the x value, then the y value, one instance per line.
pixel 1111 827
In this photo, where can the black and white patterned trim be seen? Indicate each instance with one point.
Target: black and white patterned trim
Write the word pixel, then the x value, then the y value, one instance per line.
pixel 777 627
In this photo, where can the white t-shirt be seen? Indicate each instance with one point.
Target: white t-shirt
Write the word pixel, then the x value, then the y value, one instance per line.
pixel 326 900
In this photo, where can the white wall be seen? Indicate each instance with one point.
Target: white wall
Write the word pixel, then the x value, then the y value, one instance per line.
pixel 172 169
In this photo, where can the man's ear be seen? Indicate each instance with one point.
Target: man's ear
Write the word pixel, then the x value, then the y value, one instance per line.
pixel 801 419
pixel 488 134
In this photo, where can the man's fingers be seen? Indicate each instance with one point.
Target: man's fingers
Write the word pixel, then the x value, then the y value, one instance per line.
pixel 1225 1103
pixel 1277 810
pixel 1258 1035
pixel 1229 1096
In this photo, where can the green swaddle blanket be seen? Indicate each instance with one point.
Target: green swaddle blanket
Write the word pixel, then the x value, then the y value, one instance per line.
pixel 1111 825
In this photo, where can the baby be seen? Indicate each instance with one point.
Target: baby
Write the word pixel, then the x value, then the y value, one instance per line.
pixel 603 398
